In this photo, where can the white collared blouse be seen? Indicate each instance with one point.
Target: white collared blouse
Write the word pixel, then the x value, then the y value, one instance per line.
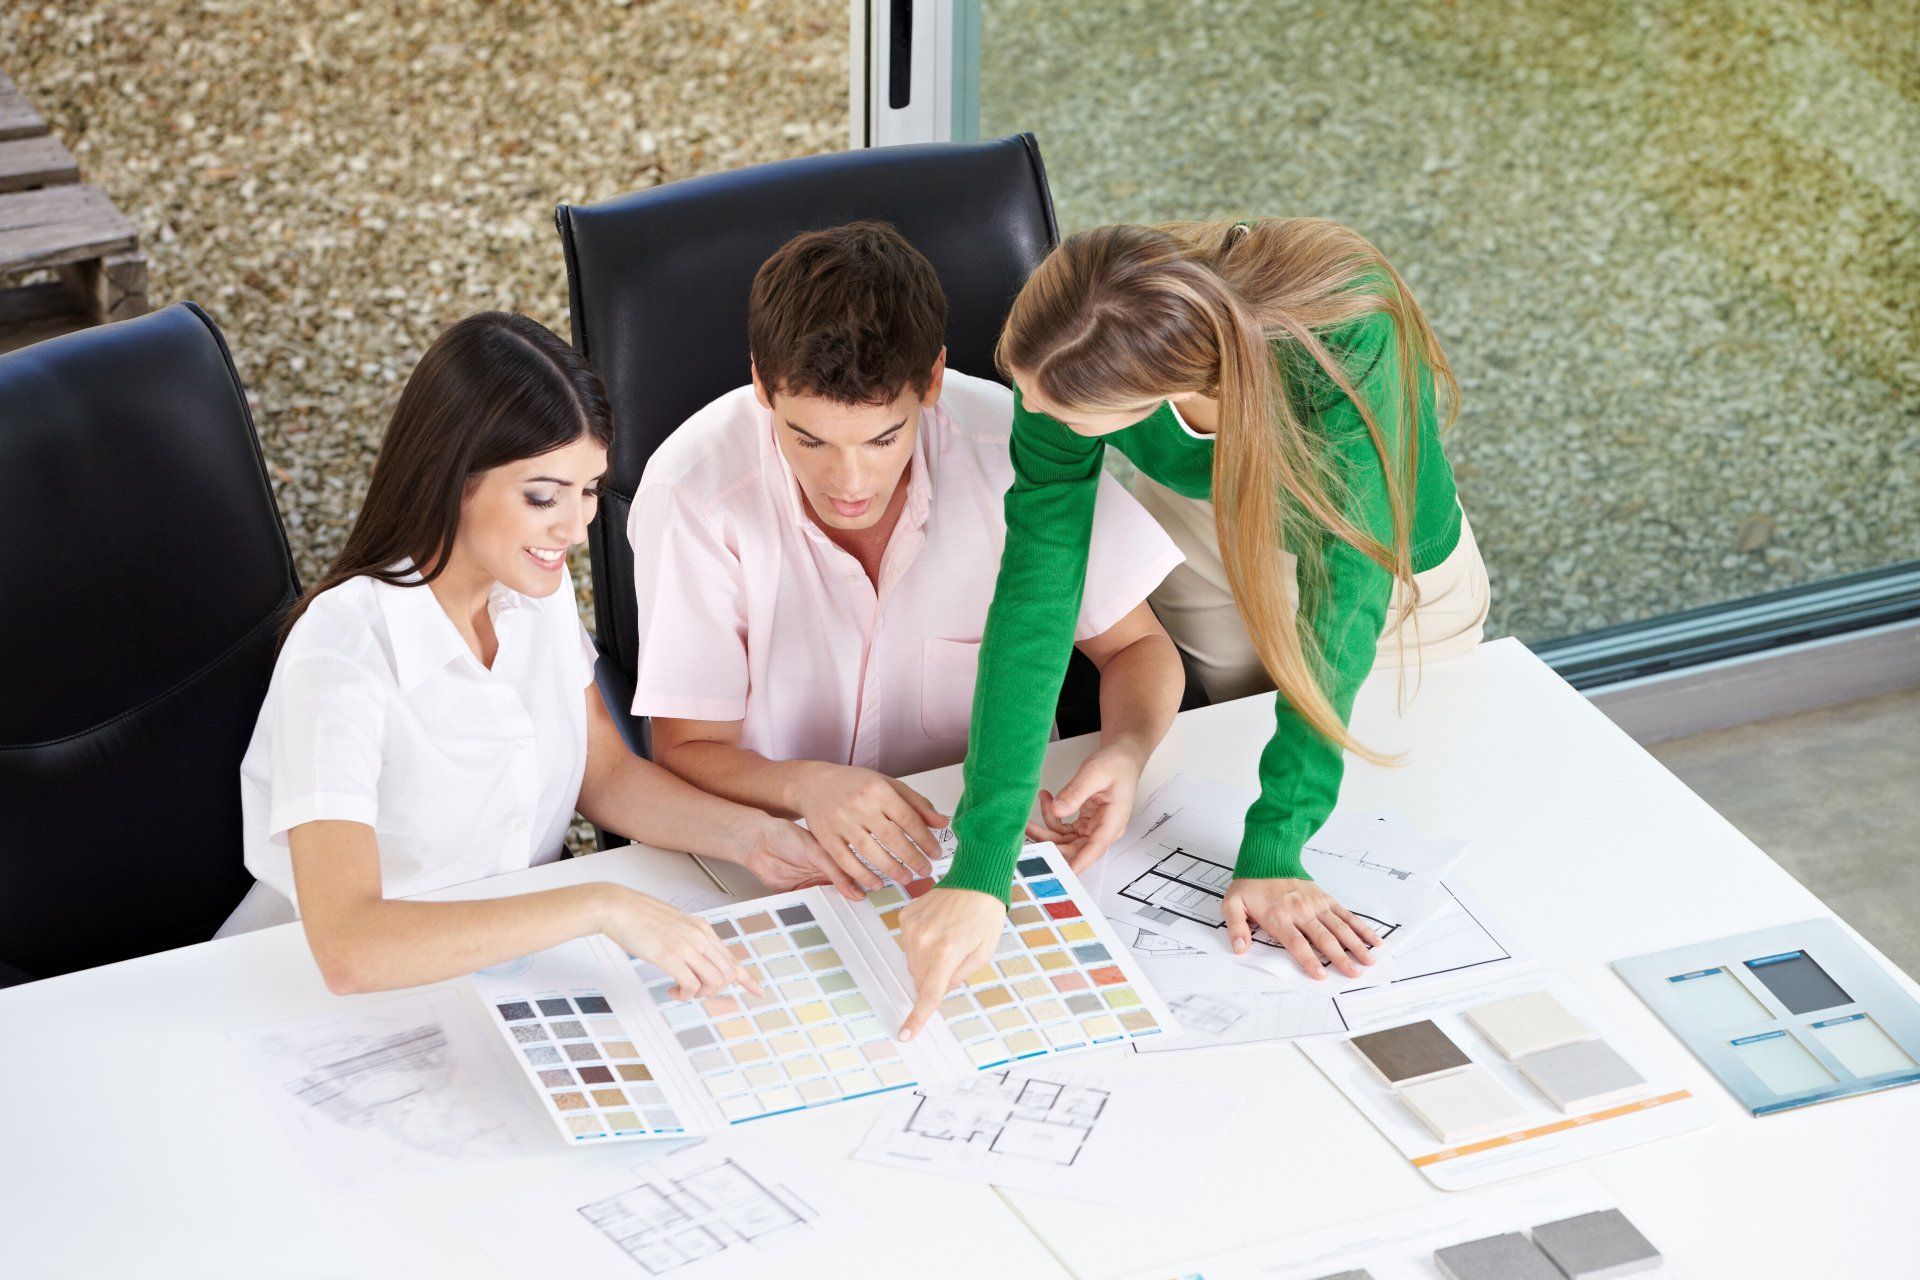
pixel 379 713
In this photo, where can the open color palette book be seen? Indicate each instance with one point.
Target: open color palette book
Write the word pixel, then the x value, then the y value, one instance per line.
pixel 1785 1017
pixel 613 1056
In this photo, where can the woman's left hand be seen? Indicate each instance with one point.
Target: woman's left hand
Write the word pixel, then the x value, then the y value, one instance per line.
pixel 1091 811
pixel 1302 917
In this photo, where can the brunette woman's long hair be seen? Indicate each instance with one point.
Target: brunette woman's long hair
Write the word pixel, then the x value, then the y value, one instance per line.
pixel 1118 318
pixel 493 388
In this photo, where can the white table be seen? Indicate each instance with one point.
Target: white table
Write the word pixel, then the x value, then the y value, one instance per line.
pixel 133 1143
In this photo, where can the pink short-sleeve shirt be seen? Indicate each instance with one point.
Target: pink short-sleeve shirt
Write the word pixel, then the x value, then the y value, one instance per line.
pixel 749 612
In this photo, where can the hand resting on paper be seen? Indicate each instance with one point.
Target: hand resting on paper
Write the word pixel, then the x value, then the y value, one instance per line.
pixel 1303 918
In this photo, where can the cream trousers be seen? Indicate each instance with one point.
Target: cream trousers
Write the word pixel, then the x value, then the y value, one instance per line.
pixel 1196 606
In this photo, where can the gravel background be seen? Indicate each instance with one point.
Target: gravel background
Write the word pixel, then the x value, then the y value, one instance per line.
pixel 336 182
pixel 1672 248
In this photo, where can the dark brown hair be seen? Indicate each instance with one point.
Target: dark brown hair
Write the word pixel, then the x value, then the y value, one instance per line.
pixel 853 314
pixel 493 388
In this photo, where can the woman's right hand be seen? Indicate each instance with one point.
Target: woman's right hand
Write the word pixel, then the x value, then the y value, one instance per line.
pixel 684 946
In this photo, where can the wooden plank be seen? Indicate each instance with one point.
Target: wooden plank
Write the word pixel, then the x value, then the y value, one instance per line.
pixel 108 289
pixel 57 225
pixel 26 163
pixel 33 303
pixel 18 119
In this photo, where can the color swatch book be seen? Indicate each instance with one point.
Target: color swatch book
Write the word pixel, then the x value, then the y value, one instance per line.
pixel 613 1056
pixel 1476 1084
pixel 1555 1227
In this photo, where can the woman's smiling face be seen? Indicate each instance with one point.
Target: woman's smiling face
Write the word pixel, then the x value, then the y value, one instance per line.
pixel 517 521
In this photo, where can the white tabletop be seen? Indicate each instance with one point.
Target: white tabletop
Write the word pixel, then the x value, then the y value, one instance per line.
pixel 132 1141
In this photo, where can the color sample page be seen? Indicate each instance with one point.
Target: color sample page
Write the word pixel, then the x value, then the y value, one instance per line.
pixel 1059 980
pixel 821 1032
pixel 1465 1113
pixel 578 1036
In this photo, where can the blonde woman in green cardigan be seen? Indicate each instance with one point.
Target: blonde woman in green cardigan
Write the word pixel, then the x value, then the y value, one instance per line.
pixel 1281 369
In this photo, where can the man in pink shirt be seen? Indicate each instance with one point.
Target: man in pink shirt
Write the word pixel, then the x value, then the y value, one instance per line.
pixel 814 555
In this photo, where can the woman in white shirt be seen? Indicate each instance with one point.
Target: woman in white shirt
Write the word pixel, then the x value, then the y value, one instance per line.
pixel 433 718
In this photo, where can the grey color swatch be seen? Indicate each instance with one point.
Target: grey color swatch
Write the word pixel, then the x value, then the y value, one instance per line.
pixel 1583 1074
pixel 1413 1052
pixel 1508 1257
pixel 1349 1275
pixel 1800 983
pixel 1597 1246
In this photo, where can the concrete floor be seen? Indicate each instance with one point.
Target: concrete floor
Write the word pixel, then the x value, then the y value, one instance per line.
pixel 1833 794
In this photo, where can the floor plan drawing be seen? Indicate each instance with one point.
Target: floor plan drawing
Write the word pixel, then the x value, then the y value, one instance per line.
pixel 1185 886
pixel 1083 1136
pixel 1033 1118
pixel 678 1219
pixel 393 1090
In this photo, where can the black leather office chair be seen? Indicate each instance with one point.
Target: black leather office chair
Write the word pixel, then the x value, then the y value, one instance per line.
pixel 658 284
pixel 145 572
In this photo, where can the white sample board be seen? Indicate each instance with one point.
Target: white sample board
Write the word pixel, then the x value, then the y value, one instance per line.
pixel 1404 1246
pixel 1785 1017
pixel 1555 1106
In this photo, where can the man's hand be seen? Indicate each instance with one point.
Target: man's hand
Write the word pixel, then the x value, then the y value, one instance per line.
pixel 947 934
pixel 785 856
pixel 1093 809
pixel 872 827
pixel 1303 918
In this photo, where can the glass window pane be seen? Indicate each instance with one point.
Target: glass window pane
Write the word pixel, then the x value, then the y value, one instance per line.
pixel 1672 249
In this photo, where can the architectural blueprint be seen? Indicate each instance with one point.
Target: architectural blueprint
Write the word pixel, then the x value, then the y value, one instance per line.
pixel 1084 1137
pixel 702 1212
pixel 1170 871
pixel 381 1092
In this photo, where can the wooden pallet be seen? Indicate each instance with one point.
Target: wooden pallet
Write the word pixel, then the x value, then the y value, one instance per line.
pixel 50 220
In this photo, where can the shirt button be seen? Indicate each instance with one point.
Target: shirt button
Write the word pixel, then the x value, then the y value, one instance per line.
pixel 520 826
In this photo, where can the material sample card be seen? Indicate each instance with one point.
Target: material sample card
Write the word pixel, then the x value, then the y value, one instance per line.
pixel 1464 1105
pixel 1565 1222
pixel 1508 1256
pixel 1527 1024
pixel 1445 1093
pixel 612 1055
pixel 1586 1074
pixel 1416 1051
pixel 1596 1246
pixel 1786 1016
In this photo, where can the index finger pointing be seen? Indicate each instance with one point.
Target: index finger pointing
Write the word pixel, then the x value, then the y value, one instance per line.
pixel 932 991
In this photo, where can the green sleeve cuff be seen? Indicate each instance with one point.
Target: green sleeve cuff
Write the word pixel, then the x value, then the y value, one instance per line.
pixel 984 868
pixel 1267 854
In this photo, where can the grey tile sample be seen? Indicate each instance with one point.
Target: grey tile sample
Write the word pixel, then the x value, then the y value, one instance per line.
pixel 1597 1246
pixel 1508 1257
pixel 1349 1275
pixel 1412 1052
pixel 1584 1074
pixel 1798 982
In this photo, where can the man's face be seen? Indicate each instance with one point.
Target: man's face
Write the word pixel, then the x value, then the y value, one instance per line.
pixel 848 458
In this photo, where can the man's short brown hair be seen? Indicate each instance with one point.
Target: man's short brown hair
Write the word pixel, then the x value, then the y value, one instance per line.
pixel 853 314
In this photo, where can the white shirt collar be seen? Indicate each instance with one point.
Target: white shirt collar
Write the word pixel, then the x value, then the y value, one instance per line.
pixel 424 637
pixel 1197 435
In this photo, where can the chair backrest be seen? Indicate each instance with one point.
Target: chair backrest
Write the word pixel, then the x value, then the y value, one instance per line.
pixel 658 284
pixel 146 571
